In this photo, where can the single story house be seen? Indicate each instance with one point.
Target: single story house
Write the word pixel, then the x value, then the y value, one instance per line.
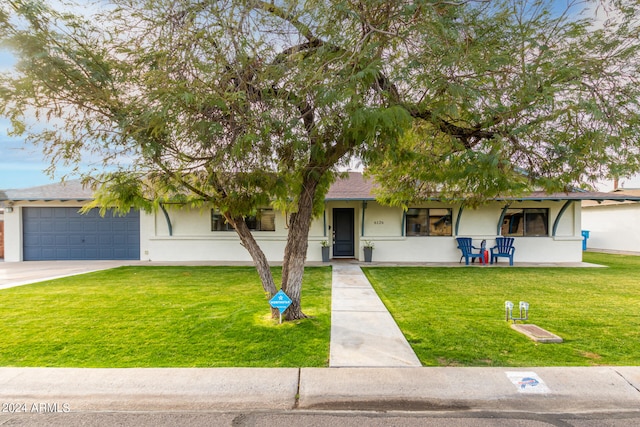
pixel 613 225
pixel 43 223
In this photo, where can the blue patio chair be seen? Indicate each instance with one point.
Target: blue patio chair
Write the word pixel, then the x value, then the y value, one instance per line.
pixel 503 248
pixel 466 247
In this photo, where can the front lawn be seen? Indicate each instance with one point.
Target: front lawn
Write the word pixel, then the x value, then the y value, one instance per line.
pixel 162 317
pixel 456 317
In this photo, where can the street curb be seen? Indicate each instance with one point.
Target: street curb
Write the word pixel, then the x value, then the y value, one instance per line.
pixel 564 389
pixel 534 390
pixel 149 389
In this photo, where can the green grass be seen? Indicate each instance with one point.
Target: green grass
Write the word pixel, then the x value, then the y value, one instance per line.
pixel 162 317
pixel 455 316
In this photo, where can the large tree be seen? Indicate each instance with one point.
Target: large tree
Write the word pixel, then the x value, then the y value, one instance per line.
pixel 241 103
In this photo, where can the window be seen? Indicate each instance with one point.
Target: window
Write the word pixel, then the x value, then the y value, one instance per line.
pixel 428 222
pixel 264 220
pixel 526 222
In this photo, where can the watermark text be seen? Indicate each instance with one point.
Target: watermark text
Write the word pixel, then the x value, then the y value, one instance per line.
pixel 35 407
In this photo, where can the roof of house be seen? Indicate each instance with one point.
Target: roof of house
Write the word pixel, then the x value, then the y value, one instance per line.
pixel 628 195
pixel 595 196
pixel 352 187
pixel 357 187
pixel 67 190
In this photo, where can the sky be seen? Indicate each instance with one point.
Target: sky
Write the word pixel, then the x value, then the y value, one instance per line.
pixel 23 166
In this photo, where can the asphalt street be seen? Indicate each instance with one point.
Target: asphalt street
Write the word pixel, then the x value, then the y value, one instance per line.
pixel 302 418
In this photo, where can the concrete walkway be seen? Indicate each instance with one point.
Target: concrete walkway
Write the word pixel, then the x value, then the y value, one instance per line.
pixel 23 273
pixel 363 333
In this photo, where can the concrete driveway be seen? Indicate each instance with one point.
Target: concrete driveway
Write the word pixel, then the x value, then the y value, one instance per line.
pixel 22 273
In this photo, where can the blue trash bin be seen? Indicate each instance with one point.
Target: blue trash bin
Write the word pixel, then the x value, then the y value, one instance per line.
pixel 585 236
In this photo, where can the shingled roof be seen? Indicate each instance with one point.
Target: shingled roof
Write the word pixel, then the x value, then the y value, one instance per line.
pixel 575 195
pixel 68 190
pixel 356 187
pixel 352 187
pixel 623 196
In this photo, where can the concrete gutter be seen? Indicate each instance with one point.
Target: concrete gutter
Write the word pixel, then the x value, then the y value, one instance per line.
pixel 428 389
pixel 559 390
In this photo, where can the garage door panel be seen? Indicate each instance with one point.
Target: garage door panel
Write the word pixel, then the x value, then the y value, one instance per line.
pixel 74 253
pixel 122 226
pixel 105 228
pixel 62 240
pixel 35 240
pixel 108 252
pixel 64 233
pixel 92 254
pixel 58 213
pixel 42 213
pixel 75 239
pixel 74 227
pixel 32 226
pixel 120 253
pixel 60 227
pixel 106 240
pixel 48 253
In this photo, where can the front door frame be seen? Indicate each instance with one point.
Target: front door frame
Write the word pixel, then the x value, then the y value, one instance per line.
pixel 344 233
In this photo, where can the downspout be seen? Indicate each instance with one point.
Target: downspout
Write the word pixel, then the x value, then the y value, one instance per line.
pixel 557 221
pixel 166 217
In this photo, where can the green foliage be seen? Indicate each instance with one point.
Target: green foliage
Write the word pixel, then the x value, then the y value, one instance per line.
pixel 455 316
pixel 513 95
pixel 162 317
pixel 516 96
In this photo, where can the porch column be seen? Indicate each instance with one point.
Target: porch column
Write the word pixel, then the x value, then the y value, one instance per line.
pixel 504 212
pixel 364 207
pixel 557 220
pixel 458 219
pixel 166 217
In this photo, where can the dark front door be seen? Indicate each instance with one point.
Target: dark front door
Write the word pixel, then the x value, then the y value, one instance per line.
pixel 343 240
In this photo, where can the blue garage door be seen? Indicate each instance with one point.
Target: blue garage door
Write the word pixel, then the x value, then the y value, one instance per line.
pixel 65 234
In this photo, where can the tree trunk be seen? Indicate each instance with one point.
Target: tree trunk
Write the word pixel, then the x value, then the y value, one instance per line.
pixel 258 256
pixel 295 253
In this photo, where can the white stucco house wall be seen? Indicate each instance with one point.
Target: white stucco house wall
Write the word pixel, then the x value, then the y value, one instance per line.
pixel 613 225
pixel 43 223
